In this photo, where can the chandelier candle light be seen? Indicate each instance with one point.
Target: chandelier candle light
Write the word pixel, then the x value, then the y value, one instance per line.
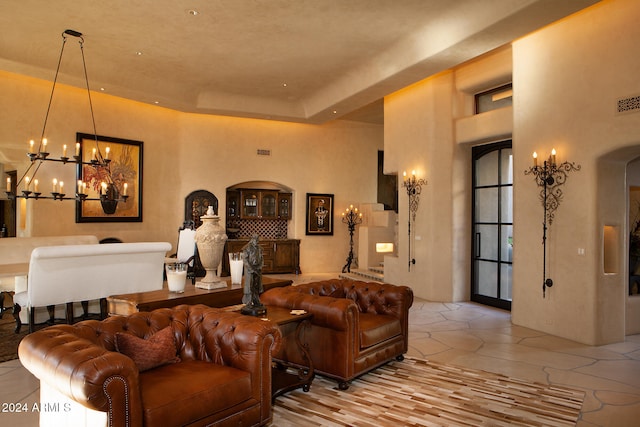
pixel 109 193
pixel 413 186
pixel 550 177
pixel 351 217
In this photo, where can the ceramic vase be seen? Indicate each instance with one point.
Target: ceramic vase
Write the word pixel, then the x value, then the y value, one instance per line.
pixel 210 240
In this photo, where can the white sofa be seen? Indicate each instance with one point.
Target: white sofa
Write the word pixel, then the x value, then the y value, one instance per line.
pixel 15 253
pixel 76 273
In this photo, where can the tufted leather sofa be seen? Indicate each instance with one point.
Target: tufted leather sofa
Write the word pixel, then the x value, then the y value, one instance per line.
pixel 356 326
pixel 223 377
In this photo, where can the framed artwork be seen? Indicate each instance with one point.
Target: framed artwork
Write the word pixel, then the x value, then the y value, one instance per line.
pixel 319 214
pixel 125 166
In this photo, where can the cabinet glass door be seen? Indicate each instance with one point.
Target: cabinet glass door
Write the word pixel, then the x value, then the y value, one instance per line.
pixel 268 204
pixel 249 204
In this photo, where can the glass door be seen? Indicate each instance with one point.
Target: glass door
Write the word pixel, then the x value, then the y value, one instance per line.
pixel 492 224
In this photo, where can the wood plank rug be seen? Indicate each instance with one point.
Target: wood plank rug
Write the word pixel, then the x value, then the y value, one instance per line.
pixel 424 393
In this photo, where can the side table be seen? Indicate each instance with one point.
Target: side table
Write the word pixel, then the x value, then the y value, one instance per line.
pixel 286 375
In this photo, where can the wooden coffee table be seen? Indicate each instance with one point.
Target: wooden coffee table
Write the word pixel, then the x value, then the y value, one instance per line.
pixel 126 304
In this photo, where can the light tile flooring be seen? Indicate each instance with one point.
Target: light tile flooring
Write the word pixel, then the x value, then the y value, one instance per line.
pixel 470 335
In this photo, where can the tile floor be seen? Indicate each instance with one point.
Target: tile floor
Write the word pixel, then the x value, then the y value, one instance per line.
pixel 464 334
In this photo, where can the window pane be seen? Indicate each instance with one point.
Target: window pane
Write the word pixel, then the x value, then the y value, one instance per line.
pixel 506 204
pixel 487 169
pixel 487 279
pixel 506 165
pixel 506 237
pixel 505 281
pixel 486 205
pixel 487 242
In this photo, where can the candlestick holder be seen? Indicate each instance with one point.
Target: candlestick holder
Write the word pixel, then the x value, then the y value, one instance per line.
pixel 351 217
pixel 413 186
pixel 550 177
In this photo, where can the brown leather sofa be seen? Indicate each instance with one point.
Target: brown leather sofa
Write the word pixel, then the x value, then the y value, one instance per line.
pixel 222 378
pixel 356 326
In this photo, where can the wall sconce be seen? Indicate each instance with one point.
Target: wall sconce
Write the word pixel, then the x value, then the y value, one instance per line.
pixel 351 217
pixel 414 188
pixel 550 177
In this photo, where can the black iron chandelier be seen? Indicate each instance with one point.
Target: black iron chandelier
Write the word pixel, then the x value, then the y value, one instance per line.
pixel 109 194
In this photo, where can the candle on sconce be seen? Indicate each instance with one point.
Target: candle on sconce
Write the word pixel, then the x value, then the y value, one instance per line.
pixel 84 188
pixel 79 190
pixel 55 185
pixel 553 156
pixel 93 155
pixel 61 187
pixel 103 188
pixel 107 151
pixel 124 189
pixel 535 159
pixel 413 173
pixel 44 145
pixel 77 148
pixel 27 181
pixel 404 176
pixel 35 185
pixel 8 184
pixel 64 150
pixel 31 143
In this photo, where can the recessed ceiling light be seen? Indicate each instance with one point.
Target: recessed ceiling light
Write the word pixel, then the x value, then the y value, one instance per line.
pixel 335 111
pixel 284 85
pixel 138 53
pixel 193 12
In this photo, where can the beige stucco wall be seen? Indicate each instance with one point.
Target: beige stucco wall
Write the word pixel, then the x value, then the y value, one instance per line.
pixel 567 78
pixel 187 152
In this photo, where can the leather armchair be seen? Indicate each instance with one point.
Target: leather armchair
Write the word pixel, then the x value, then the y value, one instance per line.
pixel 223 377
pixel 356 326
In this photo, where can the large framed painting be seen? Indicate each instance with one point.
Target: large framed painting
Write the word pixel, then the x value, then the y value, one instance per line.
pixel 126 168
pixel 319 214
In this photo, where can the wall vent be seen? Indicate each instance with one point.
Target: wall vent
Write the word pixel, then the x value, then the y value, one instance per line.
pixel 264 152
pixel 628 105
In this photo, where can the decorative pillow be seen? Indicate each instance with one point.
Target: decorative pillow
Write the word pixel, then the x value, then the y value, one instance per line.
pixel 159 349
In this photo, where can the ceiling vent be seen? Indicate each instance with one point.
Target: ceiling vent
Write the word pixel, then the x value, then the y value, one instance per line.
pixel 264 152
pixel 628 105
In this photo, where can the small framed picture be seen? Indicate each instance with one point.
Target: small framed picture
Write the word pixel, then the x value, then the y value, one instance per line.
pixel 319 214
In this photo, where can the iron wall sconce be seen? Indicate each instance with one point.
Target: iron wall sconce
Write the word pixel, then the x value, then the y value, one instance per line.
pixel 351 217
pixel 550 177
pixel 413 186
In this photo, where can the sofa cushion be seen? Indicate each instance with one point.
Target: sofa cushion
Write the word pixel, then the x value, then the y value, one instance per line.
pixel 182 393
pixel 159 349
pixel 377 328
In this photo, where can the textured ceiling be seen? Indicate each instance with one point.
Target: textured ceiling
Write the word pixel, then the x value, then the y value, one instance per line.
pixel 296 60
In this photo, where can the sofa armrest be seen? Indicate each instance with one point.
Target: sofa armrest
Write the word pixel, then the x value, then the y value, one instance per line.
pixel 329 312
pixel 84 371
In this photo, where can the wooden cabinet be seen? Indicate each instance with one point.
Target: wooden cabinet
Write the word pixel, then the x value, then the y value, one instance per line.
pixel 279 255
pixel 259 204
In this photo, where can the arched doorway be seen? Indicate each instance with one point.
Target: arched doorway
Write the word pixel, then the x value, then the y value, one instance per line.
pixel 618 312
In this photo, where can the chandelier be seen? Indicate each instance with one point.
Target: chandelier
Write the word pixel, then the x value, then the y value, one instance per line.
pixel 109 194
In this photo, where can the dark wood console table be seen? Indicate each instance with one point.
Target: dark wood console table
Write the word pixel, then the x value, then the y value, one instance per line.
pixel 126 304
pixel 288 376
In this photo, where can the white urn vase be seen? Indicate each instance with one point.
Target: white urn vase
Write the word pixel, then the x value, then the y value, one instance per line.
pixel 210 240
